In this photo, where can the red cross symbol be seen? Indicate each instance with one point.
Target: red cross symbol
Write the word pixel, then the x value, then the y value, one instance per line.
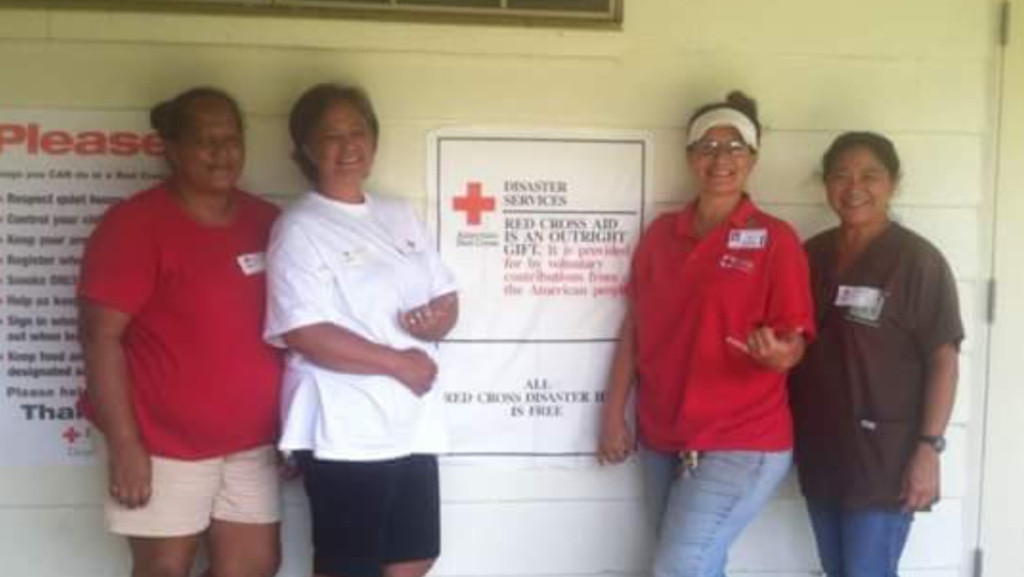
pixel 474 203
pixel 71 434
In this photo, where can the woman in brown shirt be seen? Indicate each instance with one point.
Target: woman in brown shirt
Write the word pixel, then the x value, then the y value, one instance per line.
pixel 874 393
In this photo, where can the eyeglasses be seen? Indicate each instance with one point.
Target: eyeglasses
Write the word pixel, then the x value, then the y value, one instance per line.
pixel 712 148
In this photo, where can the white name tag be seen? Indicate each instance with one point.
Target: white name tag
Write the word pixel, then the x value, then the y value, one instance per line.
pixel 748 238
pixel 858 297
pixel 252 263
pixel 355 257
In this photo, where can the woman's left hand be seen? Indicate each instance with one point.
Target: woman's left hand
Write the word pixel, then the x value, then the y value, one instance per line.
pixel 776 352
pixel 920 480
pixel 432 321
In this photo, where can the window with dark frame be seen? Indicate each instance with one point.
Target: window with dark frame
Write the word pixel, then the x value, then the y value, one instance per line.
pixel 551 11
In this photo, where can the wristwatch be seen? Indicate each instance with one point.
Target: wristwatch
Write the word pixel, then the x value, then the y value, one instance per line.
pixel 936 442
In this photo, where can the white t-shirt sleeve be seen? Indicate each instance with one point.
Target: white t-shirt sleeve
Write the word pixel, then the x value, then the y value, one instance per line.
pixel 300 290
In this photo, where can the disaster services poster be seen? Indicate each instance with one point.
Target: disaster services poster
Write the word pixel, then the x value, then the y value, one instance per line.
pixel 538 227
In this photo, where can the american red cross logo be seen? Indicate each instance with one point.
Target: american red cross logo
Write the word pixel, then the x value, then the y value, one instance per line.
pixel 474 204
pixel 71 434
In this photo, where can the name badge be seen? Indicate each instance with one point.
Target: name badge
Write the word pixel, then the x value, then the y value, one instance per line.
pixel 748 238
pixel 863 304
pixel 858 297
pixel 252 263
pixel 355 257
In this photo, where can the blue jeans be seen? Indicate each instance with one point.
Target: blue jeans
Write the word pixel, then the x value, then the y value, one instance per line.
pixel 699 513
pixel 859 543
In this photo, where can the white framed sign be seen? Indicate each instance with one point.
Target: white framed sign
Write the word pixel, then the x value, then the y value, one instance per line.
pixel 539 228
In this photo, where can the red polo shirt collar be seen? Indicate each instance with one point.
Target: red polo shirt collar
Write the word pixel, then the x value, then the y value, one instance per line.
pixel 740 216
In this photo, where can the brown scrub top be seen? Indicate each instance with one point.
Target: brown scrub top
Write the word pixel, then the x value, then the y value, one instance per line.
pixel 858 395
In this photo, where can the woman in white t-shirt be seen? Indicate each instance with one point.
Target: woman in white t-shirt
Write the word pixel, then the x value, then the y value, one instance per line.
pixel 359 297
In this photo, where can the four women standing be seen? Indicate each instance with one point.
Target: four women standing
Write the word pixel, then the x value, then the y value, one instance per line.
pixel 719 311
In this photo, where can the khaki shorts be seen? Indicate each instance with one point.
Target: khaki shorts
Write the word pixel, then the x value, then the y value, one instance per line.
pixel 241 487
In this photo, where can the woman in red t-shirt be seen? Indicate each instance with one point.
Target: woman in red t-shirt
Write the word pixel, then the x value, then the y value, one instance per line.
pixel 180 383
pixel 719 310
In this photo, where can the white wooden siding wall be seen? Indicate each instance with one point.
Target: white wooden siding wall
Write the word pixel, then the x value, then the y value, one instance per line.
pixel 919 70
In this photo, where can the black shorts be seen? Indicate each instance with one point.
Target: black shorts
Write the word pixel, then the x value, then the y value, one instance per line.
pixel 368 514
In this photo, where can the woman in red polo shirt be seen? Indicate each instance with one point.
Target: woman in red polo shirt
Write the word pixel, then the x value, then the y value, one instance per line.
pixel 719 310
pixel 180 382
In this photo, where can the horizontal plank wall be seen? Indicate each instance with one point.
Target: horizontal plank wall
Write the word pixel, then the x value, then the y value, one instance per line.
pixel 919 70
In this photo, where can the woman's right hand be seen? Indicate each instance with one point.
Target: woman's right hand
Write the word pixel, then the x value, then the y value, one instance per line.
pixel 778 352
pixel 129 470
pixel 130 473
pixel 416 370
pixel 616 442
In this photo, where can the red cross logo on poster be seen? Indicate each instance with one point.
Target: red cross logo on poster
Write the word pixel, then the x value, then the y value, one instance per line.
pixel 474 204
pixel 71 435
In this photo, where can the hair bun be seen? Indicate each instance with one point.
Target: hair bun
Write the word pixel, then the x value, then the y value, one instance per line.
pixel 160 118
pixel 745 104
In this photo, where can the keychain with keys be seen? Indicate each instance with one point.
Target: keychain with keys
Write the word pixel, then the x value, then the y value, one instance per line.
pixel 690 460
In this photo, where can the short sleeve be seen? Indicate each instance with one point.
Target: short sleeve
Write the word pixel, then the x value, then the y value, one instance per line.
pixel 936 306
pixel 299 283
pixel 790 305
pixel 120 266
